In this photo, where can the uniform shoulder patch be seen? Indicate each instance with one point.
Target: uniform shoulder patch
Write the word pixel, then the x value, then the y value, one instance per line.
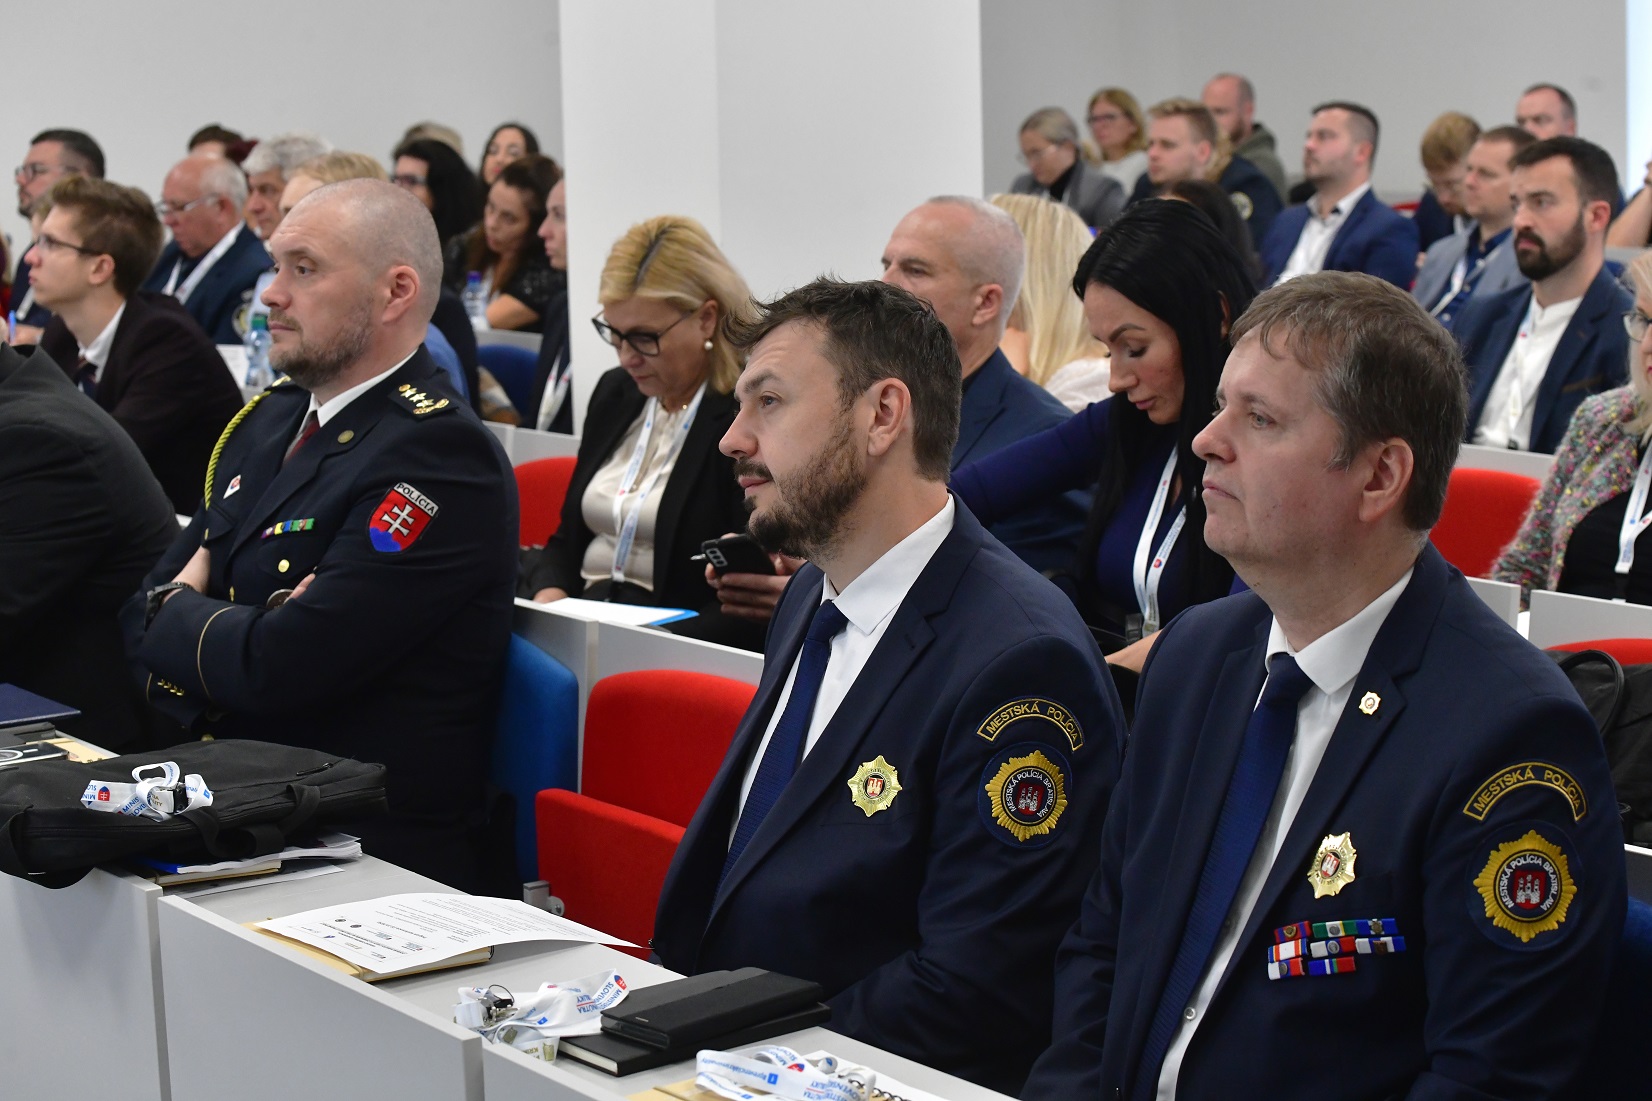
pixel 1524 890
pixel 400 519
pixel 1024 794
pixel 1032 709
pixel 1526 774
pixel 420 403
pixel 1243 204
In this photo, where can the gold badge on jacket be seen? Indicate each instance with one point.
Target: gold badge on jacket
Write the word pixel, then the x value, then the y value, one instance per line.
pixel 874 785
pixel 1333 866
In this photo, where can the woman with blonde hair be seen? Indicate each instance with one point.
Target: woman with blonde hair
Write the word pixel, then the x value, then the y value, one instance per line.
pixel 1047 338
pixel 1586 531
pixel 649 484
pixel 1120 129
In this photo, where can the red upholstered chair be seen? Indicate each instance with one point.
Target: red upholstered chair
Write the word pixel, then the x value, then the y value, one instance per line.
pixel 541 486
pixel 653 743
pixel 1483 510
pixel 1628 651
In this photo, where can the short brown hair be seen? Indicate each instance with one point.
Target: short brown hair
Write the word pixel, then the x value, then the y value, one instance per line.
pixel 873 331
pixel 1197 115
pixel 1513 135
pixel 1447 141
pixel 116 221
pixel 1385 369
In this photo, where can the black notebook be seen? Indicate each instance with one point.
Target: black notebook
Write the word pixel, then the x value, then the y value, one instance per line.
pixel 689 1013
pixel 619 1056
pixel 19 706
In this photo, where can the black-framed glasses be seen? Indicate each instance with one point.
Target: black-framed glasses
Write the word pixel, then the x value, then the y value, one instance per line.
pixel 165 209
pixel 47 243
pixel 642 341
pixel 1636 323
pixel 32 171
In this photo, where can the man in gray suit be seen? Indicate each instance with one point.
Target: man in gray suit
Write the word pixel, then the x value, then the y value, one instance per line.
pixel 1479 261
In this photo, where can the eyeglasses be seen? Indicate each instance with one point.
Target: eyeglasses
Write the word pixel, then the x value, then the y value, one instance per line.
pixel 1636 324
pixel 1095 119
pixel 47 243
pixel 1037 154
pixel 409 181
pixel 33 171
pixel 166 209
pixel 643 342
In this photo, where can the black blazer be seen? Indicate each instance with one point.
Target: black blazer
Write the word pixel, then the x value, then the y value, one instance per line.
pixel 701 498
pixel 81 521
pixel 220 302
pixel 554 351
pixel 166 384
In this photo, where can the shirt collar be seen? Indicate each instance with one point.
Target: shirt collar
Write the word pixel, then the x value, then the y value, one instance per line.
pixel 97 352
pixel 336 404
pixel 878 591
pixel 1333 659
pixel 1346 203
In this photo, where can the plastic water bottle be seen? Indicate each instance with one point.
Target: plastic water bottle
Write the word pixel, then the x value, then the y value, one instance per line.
pixel 257 342
pixel 476 301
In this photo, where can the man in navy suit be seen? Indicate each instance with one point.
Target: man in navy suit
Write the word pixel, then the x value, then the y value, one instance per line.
pixel 1343 226
pixel 214 259
pixel 1335 866
pixel 906 812
pixel 1535 352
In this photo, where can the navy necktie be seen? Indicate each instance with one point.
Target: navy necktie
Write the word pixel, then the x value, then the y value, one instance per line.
pixel 785 747
pixel 86 377
pixel 1250 795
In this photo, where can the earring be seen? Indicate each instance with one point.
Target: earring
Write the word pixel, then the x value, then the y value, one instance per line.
pixel 709 345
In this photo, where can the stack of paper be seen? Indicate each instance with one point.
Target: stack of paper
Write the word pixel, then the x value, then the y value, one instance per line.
pixel 329 846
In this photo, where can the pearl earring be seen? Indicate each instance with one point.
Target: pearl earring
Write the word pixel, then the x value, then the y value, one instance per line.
pixel 709 345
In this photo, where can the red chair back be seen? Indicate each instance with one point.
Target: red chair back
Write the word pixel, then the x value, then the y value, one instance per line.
pixel 1483 510
pixel 654 739
pixel 607 864
pixel 541 487
pixel 1628 651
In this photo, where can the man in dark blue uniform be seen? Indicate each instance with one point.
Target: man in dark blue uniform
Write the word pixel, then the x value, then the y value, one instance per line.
pixel 1366 843
pixel 906 812
pixel 347 582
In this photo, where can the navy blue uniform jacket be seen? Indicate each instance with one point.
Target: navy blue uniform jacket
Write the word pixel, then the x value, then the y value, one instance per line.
pixel 395 652
pixel 219 302
pixel 1592 355
pixel 1474 741
pixel 999 408
pixel 1374 239
pixel 1253 195
pixel 931 925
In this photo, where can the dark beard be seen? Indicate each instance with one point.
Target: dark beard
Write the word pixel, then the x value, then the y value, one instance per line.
pixel 310 367
pixel 1546 263
pixel 807 520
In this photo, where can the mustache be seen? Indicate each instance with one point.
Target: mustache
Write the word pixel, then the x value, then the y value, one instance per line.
pixel 1528 237
pixel 284 319
pixel 748 468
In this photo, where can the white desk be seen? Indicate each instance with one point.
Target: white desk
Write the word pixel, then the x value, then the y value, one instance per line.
pixel 622 649
pixel 528 444
pixel 1500 596
pixel 1561 617
pixel 530 341
pixel 1533 464
pixel 93 945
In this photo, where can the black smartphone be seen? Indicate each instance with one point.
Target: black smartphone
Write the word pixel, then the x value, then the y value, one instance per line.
pixel 735 554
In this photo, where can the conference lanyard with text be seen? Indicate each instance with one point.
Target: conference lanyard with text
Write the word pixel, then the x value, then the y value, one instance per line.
pixel 1148 573
pixel 1633 522
pixel 1460 274
pixel 182 293
pixel 556 392
pixel 630 497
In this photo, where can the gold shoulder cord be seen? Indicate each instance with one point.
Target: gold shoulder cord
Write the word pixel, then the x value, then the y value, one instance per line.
pixel 218 448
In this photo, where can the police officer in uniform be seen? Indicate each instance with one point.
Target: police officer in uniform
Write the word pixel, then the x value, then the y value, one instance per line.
pixel 906 812
pixel 347 581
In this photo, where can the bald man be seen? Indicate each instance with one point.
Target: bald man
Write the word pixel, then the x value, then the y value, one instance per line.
pixel 347 582
pixel 213 260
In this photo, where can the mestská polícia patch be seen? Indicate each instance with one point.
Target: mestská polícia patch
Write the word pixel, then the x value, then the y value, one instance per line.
pixel 1023 794
pixel 1525 888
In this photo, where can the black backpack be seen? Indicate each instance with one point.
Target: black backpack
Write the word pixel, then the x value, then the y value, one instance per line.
pixel 1620 699
pixel 263 794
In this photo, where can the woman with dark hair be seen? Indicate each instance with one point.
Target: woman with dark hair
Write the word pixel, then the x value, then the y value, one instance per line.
pixel 1161 288
pixel 1218 207
pixel 441 180
pixel 505 251
pixel 509 141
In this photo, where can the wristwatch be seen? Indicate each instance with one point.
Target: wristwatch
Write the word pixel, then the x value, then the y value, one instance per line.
pixel 157 597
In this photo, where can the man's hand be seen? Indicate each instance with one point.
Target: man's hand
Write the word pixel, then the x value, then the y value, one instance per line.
pixel 197 572
pixel 753 595
pixel 1133 656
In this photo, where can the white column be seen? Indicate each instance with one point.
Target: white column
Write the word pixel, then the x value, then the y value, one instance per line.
pixel 797 133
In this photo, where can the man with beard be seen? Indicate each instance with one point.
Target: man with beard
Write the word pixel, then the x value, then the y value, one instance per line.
pixel 52 155
pixel 907 809
pixel 347 581
pixel 1534 353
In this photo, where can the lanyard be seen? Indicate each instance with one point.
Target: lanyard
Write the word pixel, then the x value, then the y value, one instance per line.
pixel 182 293
pixel 1148 574
pixel 556 392
pixel 1633 522
pixel 630 497
pixel 1460 274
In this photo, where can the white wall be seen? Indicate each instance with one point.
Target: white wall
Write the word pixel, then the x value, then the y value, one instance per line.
pixel 1407 60
pixel 141 78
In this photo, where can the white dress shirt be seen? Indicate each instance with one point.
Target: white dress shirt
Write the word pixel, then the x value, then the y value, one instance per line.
pixel 1331 662
pixel 326 411
pixel 97 352
pixel 869 604
pixel 1314 243
pixel 1506 420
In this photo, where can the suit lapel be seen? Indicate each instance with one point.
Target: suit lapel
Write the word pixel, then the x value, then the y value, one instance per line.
pixel 1345 232
pixel 1499 339
pixel 1568 351
pixel 688 471
pixel 983 403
